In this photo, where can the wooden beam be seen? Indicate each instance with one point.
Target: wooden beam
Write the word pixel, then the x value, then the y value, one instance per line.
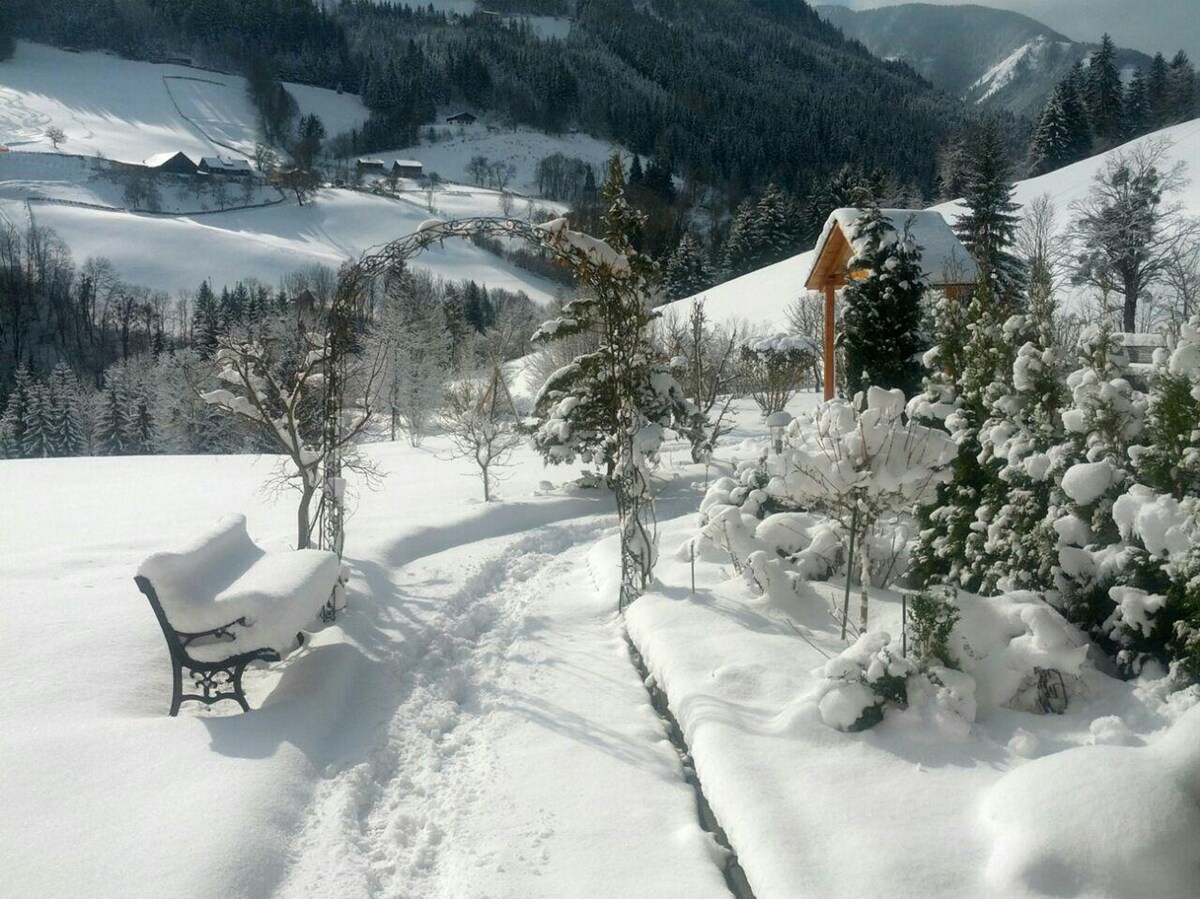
pixel 829 372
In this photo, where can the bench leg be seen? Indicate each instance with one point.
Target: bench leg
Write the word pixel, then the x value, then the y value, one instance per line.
pixel 176 688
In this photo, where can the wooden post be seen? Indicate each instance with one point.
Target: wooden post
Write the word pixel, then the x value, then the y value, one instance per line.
pixel 829 373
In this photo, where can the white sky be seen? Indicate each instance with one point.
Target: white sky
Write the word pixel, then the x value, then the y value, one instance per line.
pixel 1147 25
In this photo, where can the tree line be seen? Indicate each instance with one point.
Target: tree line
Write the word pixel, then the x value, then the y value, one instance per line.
pixel 1092 110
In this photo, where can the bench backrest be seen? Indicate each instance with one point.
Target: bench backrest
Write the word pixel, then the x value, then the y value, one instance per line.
pixel 202 569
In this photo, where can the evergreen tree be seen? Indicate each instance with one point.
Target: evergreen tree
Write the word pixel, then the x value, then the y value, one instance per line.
pixel 1103 92
pixel 36 443
pixel 67 426
pixel 1135 107
pixel 206 320
pixel 1079 126
pixel 1051 147
pixel 16 415
pixel 989 227
pixel 1020 439
pixel 742 245
pixel 612 404
pixel 636 175
pixel 687 271
pixel 1158 92
pixel 112 418
pixel 881 326
pixel 1181 89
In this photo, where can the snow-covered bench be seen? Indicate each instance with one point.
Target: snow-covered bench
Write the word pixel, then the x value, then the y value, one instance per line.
pixel 223 602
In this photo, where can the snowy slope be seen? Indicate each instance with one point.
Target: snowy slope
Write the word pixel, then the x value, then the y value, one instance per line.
pixel 177 253
pixel 128 111
pixel 763 297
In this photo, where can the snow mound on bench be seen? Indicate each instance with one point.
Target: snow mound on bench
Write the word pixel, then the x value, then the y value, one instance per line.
pixel 224 575
pixel 1101 820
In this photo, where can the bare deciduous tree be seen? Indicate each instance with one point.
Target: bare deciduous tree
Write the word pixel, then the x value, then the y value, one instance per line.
pixel 479 420
pixel 1124 230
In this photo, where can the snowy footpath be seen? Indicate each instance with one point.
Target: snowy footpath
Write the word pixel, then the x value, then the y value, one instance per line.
pixel 472 725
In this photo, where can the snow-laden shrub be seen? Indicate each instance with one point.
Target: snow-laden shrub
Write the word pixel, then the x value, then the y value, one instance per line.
pixel 1005 642
pixel 868 680
pixel 931 619
pixel 865 678
pixel 851 466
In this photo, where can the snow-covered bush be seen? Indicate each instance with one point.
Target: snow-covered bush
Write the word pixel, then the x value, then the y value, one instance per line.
pixel 772 368
pixel 868 680
pixel 850 468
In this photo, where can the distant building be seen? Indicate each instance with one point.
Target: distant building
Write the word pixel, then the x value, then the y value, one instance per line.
pixel 174 163
pixel 369 166
pixel 462 118
pixel 407 168
pixel 215 165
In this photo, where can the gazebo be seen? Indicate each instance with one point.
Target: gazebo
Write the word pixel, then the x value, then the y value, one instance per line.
pixel 945 261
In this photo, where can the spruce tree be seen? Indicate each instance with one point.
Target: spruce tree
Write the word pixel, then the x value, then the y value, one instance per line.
pixel 1135 107
pixel 1181 89
pixel 1074 94
pixel 1158 92
pixel 611 406
pixel 881 325
pixel 67 426
pixel 16 415
pixel 206 320
pixel 37 441
pixel 687 271
pixel 1104 92
pixel 989 227
pixel 1051 147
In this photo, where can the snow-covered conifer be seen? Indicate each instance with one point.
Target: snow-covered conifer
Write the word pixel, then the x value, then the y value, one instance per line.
pixel 611 407
pixel 687 271
pixel 989 227
pixel 882 321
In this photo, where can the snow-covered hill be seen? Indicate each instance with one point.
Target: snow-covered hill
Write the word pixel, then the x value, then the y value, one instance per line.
pixel 128 111
pixel 762 298
pixel 115 109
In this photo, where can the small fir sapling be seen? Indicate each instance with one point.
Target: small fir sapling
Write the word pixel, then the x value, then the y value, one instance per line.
pixel 932 618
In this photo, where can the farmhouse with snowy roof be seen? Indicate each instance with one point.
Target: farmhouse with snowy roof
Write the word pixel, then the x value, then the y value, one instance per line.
pixel 406 168
pixel 461 118
pixel 215 165
pixel 946 263
pixel 174 163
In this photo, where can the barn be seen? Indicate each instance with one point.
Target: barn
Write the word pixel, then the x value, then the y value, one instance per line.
pixel 173 163
pixel 407 168
pixel 215 165
pixel 369 166
pixel 462 118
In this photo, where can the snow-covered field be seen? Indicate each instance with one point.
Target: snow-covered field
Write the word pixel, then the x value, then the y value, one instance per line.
pixel 763 297
pixel 128 111
pixel 521 147
pixel 472 724
pixel 177 253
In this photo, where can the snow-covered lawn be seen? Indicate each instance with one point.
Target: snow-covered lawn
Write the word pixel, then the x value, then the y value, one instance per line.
pixel 472 725
pixel 521 147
